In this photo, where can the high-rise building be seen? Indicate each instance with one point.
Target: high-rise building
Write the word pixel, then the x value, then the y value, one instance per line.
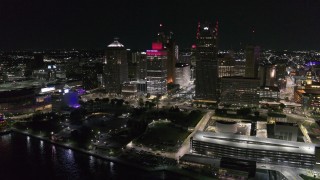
pixel 168 44
pixel 226 65
pixel 267 74
pixel 252 61
pixel 140 59
pixel 90 75
pixel 240 91
pixel 207 86
pixel 115 70
pixel 182 74
pixel 156 70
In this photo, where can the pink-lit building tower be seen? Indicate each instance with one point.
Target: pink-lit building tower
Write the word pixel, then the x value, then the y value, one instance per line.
pixel 156 75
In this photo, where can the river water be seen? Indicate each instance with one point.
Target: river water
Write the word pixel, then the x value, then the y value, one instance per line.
pixel 23 157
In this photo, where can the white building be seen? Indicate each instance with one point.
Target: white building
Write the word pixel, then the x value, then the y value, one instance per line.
pixel 263 150
pixel 182 74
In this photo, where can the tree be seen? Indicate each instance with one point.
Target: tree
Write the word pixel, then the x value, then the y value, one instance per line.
pixel 151 105
pixel 113 101
pixel 77 115
pixel 106 100
pixel 140 102
pixel 244 111
pixel 119 102
pixel 156 100
pixel 282 106
pixel 146 104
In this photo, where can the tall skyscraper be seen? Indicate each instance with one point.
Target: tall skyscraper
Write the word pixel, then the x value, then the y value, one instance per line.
pixel 252 61
pixel 207 86
pixel 168 44
pixel 156 70
pixel 115 70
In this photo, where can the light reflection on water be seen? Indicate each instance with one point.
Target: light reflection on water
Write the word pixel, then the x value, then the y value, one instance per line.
pixel 29 158
pixel 28 144
pixel 5 138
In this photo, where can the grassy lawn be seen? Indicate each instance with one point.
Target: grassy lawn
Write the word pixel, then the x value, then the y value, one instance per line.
pixel 190 119
pixel 161 135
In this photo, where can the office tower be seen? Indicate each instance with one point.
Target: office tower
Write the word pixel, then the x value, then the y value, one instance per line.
pixel 139 58
pixel 252 61
pixel 156 70
pixel 240 91
pixel 226 65
pixel 182 74
pixel 115 70
pixel 207 86
pixel 168 44
pixel 267 74
pixel 90 74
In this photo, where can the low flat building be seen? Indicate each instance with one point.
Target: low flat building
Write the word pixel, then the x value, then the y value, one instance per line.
pixel 263 150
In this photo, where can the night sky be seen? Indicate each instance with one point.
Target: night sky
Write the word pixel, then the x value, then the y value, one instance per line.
pixel 90 24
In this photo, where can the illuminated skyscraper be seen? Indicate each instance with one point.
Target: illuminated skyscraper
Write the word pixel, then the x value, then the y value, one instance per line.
pixel 156 70
pixel 168 44
pixel 207 86
pixel 115 70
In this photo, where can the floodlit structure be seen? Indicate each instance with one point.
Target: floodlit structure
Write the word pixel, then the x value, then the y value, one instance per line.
pixel 115 69
pixel 156 70
pixel 182 74
pixel 262 150
pixel 226 126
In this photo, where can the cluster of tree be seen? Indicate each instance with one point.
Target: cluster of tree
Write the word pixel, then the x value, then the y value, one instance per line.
pixel 45 122
pixel 174 109
pixel 77 115
pixel 137 126
pixel 244 111
pixel 82 137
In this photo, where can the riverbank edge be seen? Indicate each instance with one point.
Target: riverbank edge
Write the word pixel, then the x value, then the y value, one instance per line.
pixel 170 169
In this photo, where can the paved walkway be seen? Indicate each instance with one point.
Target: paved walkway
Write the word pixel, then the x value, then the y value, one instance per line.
pixel 185 147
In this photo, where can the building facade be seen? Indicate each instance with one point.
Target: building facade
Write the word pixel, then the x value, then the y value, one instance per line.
pixel 156 74
pixel 115 69
pixel 240 91
pixel 182 74
pixel 252 54
pixel 206 83
pixel 261 150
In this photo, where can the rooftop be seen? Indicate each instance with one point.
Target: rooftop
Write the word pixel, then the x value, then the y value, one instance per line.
pixel 19 85
pixel 116 43
pixel 252 142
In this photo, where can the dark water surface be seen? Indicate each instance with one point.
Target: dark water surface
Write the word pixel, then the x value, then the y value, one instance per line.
pixel 23 157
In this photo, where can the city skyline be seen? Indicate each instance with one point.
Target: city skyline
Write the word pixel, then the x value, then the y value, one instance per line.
pixel 92 25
